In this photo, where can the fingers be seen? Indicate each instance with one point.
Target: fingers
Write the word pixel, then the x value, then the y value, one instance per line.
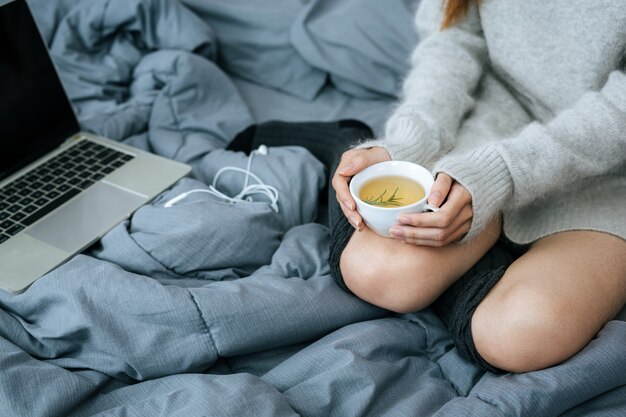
pixel 342 191
pixel 353 162
pixel 455 236
pixel 440 228
pixel 458 198
pixel 435 236
pixel 439 190
pixel 356 160
pixel 346 169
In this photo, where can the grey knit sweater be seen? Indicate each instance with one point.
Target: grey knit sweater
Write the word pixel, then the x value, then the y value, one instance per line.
pixel 524 104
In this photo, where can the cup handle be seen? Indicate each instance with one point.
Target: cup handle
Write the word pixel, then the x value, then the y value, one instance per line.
pixel 431 208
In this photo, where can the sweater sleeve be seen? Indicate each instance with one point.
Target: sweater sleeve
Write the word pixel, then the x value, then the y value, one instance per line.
pixel 437 93
pixel 583 141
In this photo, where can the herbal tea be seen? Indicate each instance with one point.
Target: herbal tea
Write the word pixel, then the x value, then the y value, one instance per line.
pixel 391 191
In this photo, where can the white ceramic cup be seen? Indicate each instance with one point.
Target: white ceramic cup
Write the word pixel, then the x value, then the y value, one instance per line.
pixel 380 219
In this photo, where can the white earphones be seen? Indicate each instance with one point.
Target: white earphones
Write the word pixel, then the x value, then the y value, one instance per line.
pixel 245 195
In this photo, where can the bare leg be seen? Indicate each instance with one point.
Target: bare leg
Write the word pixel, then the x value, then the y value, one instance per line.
pixel 403 277
pixel 552 301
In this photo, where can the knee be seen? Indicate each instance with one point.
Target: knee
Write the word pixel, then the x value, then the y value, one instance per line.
pixel 524 331
pixel 395 286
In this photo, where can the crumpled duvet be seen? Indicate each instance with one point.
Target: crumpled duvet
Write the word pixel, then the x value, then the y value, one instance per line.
pixel 215 309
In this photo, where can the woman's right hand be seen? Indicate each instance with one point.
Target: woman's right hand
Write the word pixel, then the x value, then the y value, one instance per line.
pixel 353 162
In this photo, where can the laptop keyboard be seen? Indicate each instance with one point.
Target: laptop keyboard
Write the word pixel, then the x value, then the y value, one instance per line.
pixel 38 192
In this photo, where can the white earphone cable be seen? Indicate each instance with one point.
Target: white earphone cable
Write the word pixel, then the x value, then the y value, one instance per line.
pixel 245 195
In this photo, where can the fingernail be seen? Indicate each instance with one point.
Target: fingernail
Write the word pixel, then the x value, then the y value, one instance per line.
pixel 348 204
pixel 347 168
pixel 435 198
pixel 355 222
pixel 403 219
pixel 396 232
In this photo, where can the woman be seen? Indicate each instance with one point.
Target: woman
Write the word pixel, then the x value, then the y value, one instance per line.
pixel 519 108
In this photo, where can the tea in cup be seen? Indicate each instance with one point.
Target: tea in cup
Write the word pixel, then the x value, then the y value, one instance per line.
pixel 387 189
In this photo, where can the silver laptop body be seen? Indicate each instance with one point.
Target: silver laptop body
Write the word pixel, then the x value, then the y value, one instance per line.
pixel 108 180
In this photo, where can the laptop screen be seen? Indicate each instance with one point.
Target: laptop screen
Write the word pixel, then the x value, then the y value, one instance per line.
pixel 35 114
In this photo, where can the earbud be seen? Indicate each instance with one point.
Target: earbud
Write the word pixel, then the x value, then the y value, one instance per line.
pixel 175 200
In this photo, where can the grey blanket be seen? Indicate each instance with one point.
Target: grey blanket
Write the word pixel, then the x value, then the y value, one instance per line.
pixel 209 308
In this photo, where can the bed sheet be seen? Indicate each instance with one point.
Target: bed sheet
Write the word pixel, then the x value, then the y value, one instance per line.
pixel 267 104
pixel 214 309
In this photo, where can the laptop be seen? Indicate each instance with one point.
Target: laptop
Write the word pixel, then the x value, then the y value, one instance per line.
pixel 60 189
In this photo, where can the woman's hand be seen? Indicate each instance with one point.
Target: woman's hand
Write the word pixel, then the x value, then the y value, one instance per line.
pixel 353 162
pixel 447 225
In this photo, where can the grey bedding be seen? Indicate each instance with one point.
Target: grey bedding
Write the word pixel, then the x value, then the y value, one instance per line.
pixel 216 309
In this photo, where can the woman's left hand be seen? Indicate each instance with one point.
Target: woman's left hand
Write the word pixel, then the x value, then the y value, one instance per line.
pixel 447 225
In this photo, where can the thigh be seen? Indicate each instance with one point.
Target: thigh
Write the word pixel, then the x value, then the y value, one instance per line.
pixel 552 301
pixel 402 277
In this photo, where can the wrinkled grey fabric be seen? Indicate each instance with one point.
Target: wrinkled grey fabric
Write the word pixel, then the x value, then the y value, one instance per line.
pixel 363 45
pixel 255 44
pixel 207 237
pixel 293 171
pixel 145 67
pixel 330 105
pixel 209 308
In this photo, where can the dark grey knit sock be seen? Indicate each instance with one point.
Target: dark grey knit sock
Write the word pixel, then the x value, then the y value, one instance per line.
pixel 340 233
pixel 327 141
pixel 457 304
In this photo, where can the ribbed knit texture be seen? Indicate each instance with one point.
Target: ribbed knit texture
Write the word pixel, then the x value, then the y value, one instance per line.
pixel 325 140
pixel 457 304
pixel 563 63
pixel 415 132
pixel 487 179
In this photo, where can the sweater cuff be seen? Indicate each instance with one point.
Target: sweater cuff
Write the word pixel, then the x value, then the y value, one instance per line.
pixel 486 176
pixel 411 136
pixel 372 143
pixel 397 154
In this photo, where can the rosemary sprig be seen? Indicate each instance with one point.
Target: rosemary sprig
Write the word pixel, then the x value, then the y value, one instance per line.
pixel 379 201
